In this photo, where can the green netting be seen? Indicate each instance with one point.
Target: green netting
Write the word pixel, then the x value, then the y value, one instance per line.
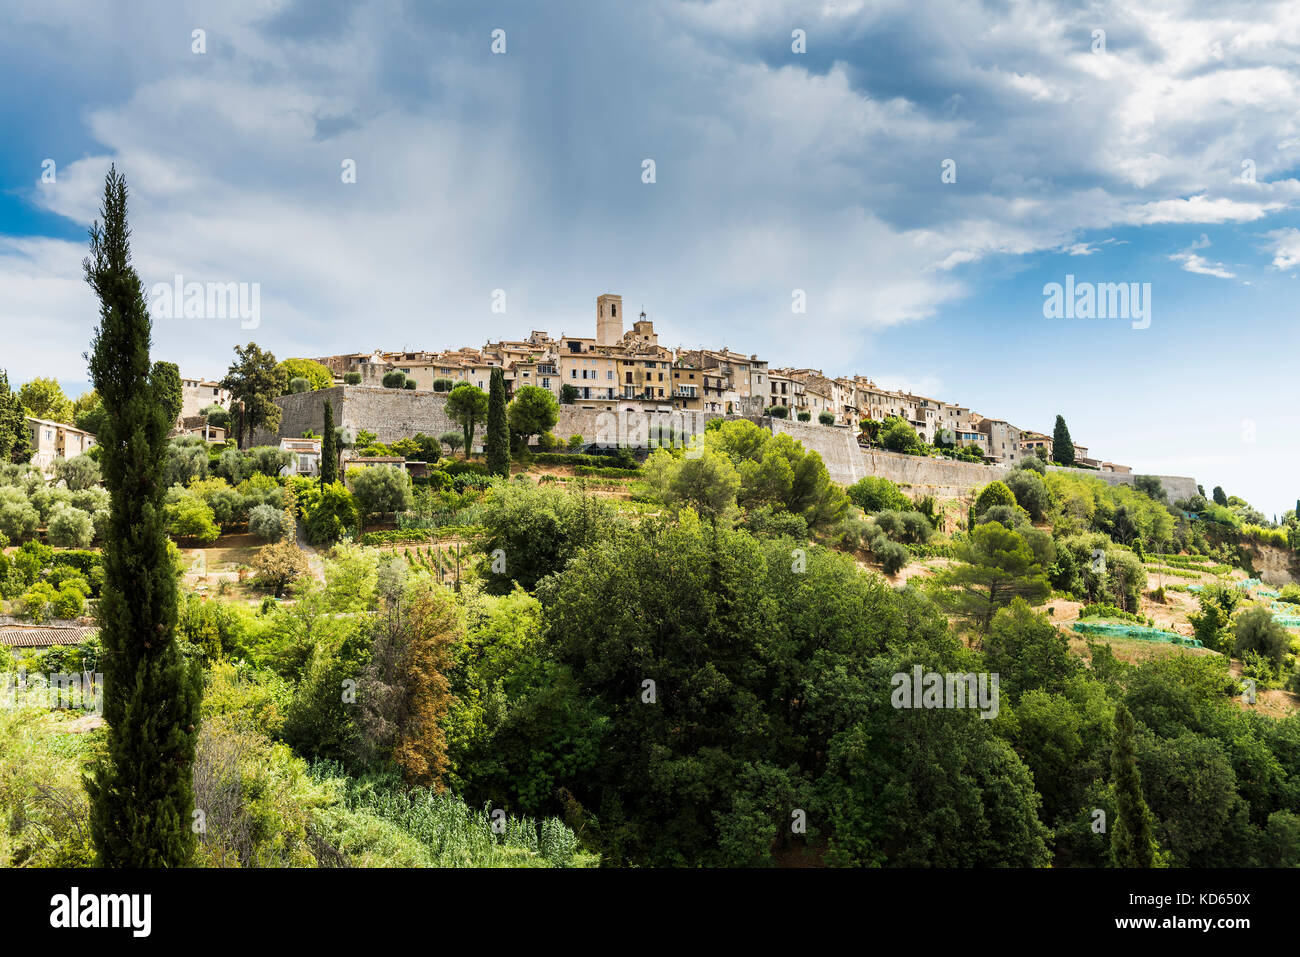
pixel 1288 621
pixel 1267 593
pixel 1140 632
pixel 1249 583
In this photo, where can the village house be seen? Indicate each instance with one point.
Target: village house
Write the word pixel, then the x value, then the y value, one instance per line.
pixel 56 440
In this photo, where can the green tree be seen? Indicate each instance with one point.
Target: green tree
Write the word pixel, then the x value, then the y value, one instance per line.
pixel 1131 841
pixel 394 379
pixel 995 493
pixel 533 411
pixel 317 375
pixel 255 380
pixel 873 493
pixel 569 394
pixel 44 399
pixel 497 443
pixel 994 567
pixel 141 787
pixel 379 489
pixel 1220 498
pixel 1062 444
pixel 329 446
pixel 899 436
pixel 15 437
pixel 467 404
pixel 538 529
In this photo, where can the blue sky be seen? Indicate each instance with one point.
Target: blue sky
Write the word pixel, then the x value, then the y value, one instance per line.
pixel 775 171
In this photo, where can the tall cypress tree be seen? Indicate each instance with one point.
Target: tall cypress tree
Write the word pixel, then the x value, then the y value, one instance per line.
pixel 329 448
pixel 497 442
pixel 1062 446
pixel 1131 843
pixel 141 789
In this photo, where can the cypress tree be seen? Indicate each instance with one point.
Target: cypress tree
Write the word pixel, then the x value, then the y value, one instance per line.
pixel 497 443
pixel 1131 843
pixel 1062 446
pixel 329 448
pixel 141 788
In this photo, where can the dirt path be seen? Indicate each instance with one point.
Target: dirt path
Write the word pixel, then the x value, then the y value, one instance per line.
pixel 315 563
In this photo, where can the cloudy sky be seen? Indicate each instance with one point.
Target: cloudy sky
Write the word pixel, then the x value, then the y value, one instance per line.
pixel 1162 150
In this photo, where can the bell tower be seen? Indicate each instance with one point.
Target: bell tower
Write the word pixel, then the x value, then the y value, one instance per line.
pixel 609 320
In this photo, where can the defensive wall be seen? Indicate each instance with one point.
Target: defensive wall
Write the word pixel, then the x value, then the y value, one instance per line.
pixel 394 414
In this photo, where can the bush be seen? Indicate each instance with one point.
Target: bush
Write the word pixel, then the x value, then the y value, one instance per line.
pixel 299 385
pixel 269 523
pixel 891 555
pixel 69 527
pixel 805 416
pixel 394 380
pixel 280 565
pixel 77 473
pixel 1256 631
pixel 995 493
pixel 352 378
pixel 18 519
pixel 409 384
pixel 191 518
pixel 328 512
pixel 1030 492
pixel 826 418
pixel 777 411
pixel 268 460
pixel 379 489
pixel 874 494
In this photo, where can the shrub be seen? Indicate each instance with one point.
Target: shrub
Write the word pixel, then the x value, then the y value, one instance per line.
pixel 409 384
pixel 1030 492
pixel 891 555
pixel 328 512
pixel 995 493
pixel 576 442
pixel 18 519
pixel 805 416
pixel 191 518
pixel 379 489
pixel 394 380
pixel 69 527
pixel 268 459
pixel 826 418
pixel 777 411
pixel 873 494
pixel 352 378
pixel 268 523
pixel 77 473
pixel 299 385
pixel 279 565
pixel 1256 631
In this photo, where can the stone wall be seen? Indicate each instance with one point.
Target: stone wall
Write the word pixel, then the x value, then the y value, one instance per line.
pixel 391 414
pixel 847 462
pixel 394 414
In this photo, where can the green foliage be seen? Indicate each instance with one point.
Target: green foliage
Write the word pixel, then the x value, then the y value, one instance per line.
pixel 539 529
pixel 395 379
pixel 69 527
pixel 141 786
pixel 533 411
pixel 192 519
pixel 468 405
pixel 497 444
pixel 995 493
pixel 15 438
pixel 352 378
pixel 255 380
pixel 1131 843
pixel 1062 444
pixel 314 375
pixel 1255 631
pixel 874 494
pixel 379 489
pixel 1212 624
pixel 826 418
pixel 44 399
pixel 77 473
pixel 328 512
pixel 897 435
pixel 995 566
pixel 1030 492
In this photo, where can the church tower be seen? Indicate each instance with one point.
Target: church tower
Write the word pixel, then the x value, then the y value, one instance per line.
pixel 609 320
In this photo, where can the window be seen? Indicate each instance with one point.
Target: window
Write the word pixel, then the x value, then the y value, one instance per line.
pixel 613 309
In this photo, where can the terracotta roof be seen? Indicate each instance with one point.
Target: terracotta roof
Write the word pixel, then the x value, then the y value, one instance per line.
pixel 37 636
